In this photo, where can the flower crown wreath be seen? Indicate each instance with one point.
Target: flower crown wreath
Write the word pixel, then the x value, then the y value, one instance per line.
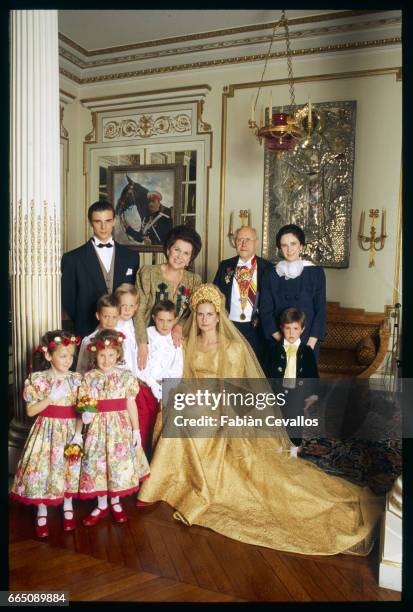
pixel 58 341
pixel 100 345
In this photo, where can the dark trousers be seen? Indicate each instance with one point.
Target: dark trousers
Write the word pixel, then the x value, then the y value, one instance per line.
pixel 255 338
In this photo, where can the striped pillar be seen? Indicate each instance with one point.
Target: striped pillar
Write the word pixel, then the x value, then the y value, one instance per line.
pixel 35 193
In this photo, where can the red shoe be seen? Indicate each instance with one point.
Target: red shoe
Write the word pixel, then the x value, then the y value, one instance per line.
pixel 42 531
pixel 69 524
pixel 92 519
pixel 120 516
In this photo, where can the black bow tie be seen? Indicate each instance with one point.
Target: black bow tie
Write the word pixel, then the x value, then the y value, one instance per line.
pixel 108 245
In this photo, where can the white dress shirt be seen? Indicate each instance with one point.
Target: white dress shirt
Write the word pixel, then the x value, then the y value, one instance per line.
pixel 105 254
pixel 235 307
pixel 296 343
pixel 130 348
pixel 164 361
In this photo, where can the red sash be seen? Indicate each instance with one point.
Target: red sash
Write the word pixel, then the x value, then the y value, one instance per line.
pixel 59 412
pixel 112 405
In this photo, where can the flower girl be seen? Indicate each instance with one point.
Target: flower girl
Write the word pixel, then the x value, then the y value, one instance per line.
pixel 114 462
pixel 44 476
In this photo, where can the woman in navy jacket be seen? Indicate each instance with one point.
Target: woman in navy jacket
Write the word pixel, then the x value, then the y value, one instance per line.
pixel 294 283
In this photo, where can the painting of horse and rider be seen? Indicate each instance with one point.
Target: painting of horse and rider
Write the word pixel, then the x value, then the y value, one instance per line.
pixel 147 202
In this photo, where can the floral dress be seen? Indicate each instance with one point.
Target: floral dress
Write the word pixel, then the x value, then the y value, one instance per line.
pixel 44 476
pixel 111 464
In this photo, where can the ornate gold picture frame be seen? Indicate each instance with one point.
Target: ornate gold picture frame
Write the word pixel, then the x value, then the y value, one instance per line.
pixel 139 224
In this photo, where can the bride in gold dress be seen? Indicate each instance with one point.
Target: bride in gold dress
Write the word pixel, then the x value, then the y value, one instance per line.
pixel 252 489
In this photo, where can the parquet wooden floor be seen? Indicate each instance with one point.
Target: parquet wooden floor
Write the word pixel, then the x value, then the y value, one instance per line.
pixel 152 557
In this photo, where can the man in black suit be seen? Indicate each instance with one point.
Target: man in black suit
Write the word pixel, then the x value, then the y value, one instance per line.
pixel 95 268
pixel 239 278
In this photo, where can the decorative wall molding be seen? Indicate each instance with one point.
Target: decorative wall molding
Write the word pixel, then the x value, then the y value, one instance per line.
pixel 149 99
pixel 92 135
pixel 65 97
pixel 202 125
pixel 322 31
pixel 341 47
pixel 213 34
pixel 146 125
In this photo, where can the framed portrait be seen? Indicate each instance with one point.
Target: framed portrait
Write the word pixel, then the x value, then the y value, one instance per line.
pixel 147 201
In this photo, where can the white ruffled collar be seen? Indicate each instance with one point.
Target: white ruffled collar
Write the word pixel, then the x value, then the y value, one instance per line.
pixel 292 269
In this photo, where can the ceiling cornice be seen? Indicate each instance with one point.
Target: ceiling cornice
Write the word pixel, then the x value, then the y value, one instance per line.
pixel 229 44
pixel 212 34
pixel 228 61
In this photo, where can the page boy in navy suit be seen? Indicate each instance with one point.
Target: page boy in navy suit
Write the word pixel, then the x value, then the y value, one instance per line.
pixel 292 360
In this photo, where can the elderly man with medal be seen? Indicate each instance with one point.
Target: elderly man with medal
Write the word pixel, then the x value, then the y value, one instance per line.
pixel 239 278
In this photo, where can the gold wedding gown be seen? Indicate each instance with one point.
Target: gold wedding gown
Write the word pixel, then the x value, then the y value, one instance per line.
pixel 251 489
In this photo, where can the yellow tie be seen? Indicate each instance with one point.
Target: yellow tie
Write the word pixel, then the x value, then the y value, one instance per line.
pixel 291 369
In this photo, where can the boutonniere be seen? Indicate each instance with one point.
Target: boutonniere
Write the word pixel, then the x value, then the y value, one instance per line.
pixel 229 273
pixel 186 293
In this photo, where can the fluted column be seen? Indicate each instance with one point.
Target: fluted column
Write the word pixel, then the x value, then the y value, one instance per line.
pixel 390 572
pixel 35 193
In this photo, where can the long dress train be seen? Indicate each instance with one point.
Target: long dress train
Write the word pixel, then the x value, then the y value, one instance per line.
pixel 252 490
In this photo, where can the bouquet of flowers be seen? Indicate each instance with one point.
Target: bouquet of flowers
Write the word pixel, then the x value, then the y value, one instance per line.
pixel 86 404
pixel 73 453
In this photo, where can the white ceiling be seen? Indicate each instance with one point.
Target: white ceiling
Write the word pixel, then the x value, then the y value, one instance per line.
pixel 101 29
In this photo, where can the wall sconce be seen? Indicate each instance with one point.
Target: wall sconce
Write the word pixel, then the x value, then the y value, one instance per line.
pixel 372 243
pixel 245 217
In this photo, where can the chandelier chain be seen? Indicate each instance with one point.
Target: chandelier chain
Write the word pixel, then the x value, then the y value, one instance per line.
pixel 289 62
pixel 276 24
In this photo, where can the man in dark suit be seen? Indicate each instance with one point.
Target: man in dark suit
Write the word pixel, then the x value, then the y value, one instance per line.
pixel 95 268
pixel 239 278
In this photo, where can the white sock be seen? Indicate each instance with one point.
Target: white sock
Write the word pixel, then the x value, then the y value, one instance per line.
pixel 115 504
pixel 68 507
pixel 102 504
pixel 42 512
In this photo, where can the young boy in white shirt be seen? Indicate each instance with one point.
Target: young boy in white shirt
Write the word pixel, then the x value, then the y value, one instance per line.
pixel 107 313
pixel 164 361
pixel 126 297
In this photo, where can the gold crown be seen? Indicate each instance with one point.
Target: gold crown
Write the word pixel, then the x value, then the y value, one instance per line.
pixel 206 293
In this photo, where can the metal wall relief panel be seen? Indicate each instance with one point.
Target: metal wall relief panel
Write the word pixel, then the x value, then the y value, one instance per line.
pixel 313 187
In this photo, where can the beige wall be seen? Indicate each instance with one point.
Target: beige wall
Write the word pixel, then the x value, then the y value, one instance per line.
pixel 377 157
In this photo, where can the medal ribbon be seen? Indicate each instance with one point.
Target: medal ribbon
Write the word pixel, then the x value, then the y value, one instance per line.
pixel 247 287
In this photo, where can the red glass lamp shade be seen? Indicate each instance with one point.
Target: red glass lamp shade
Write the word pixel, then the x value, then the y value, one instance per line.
pixel 281 138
